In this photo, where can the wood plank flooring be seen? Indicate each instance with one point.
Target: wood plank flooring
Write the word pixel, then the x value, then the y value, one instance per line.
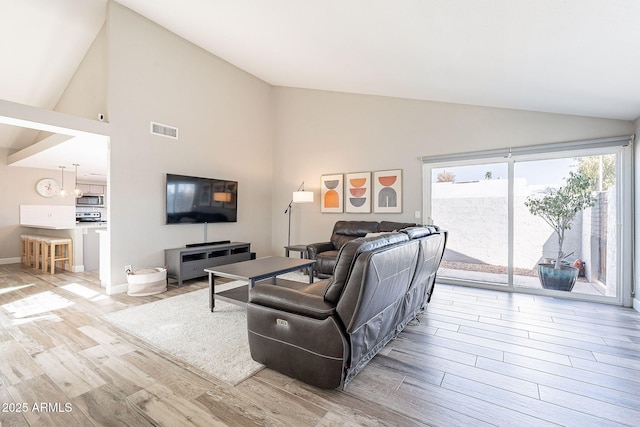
pixel 475 357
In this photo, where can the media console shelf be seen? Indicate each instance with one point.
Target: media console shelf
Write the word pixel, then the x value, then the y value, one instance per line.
pixel 190 262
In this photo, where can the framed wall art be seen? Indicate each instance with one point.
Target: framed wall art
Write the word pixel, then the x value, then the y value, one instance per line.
pixel 358 192
pixel 387 191
pixel 331 191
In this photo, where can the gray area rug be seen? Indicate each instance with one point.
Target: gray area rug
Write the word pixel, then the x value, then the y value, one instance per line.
pixel 184 327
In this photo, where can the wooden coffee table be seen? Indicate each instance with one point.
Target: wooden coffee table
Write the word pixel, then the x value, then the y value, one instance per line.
pixel 253 271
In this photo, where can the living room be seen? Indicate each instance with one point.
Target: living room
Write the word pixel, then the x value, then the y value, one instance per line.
pixel 268 137
pixel 275 133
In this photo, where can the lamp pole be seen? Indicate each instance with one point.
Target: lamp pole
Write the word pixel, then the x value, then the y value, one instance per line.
pixel 299 196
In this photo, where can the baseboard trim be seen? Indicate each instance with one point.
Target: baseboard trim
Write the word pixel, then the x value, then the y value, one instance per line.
pixel 4 261
pixel 636 304
pixel 117 289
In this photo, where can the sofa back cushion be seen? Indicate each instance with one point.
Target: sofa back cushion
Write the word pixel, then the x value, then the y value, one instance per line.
pixel 345 231
pixel 387 226
pixel 376 288
pixel 431 251
pixel 347 255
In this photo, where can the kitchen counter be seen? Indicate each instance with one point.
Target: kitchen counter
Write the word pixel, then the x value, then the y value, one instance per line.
pixel 97 224
pixel 77 225
pixel 60 221
pixel 84 259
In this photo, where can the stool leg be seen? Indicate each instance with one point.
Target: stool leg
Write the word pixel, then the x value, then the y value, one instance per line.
pixel 35 253
pixel 70 255
pixel 29 243
pixel 45 256
pixel 23 250
pixel 53 258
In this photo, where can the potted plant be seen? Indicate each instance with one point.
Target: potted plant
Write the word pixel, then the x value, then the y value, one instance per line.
pixel 559 208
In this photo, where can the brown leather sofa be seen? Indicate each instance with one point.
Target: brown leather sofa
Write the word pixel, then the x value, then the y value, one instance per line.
pixel 326 332
pixel 325 253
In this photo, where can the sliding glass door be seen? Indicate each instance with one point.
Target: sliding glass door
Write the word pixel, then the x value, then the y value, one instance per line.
pixel 471 202
pixel 589 241
pixel 498 239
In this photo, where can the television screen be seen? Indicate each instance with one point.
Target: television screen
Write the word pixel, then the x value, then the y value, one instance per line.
pixel 194 200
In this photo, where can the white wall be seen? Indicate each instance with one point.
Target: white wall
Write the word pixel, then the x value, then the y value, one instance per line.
pixel 225 123
pixel 86 93
pixel 636 264
pixel 326 132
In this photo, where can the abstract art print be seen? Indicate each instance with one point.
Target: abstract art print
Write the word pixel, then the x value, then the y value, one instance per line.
pixel 387 191
pixel 358 192
pixel 331 187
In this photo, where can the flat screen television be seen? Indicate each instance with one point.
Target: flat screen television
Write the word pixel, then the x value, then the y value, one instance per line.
pixel 194 200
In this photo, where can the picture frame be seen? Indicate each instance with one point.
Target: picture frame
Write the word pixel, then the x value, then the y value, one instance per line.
pixel 358 192
pixel 331 193
pixel 387 191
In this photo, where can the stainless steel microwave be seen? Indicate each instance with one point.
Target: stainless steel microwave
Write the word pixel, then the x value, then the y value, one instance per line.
pixel 90 200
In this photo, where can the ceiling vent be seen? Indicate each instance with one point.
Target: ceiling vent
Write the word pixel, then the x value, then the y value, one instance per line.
pixel 164 130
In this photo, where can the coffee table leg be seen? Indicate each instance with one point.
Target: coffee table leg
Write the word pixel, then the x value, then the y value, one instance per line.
pixel 212 299
pixel 251 284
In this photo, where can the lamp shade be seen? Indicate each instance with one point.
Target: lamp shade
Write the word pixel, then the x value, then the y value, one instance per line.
pixel 302 196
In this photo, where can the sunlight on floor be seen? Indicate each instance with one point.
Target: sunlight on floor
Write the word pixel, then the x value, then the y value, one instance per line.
pixel 84 292
pixel 15 288
pixel 36 304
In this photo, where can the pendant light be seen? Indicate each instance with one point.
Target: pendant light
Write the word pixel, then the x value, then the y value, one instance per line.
pixel 77 191
pixel 62 193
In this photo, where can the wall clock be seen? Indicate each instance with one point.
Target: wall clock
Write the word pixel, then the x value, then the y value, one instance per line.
pixel 47 187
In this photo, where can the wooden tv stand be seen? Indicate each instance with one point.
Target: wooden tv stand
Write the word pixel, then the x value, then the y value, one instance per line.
pixel 190 262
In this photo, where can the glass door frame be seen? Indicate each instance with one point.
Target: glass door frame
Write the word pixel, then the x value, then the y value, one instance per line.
pixel 622 147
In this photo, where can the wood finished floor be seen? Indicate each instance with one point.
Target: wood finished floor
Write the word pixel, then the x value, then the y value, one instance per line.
pixel 476 357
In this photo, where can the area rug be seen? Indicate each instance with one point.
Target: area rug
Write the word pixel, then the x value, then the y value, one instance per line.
pixel 184 327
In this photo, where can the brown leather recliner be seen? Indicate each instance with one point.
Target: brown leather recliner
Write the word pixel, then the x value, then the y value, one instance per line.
pixel 325 253
pixel 325 333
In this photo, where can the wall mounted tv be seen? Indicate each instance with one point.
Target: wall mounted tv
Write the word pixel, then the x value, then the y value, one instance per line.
pixel 194 200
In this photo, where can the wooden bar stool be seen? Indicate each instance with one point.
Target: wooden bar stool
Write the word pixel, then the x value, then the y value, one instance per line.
pixel 24 249
pixel 56 250
pixel 34 250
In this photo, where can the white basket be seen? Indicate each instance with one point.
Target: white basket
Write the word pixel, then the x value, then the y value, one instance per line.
pixel 147 281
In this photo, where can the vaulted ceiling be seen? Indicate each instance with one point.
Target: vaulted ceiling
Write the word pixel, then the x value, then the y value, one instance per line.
pixel 560 56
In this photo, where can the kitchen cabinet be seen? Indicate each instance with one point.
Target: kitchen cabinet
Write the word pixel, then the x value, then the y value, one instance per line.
pixel 92 188
pixel 91 249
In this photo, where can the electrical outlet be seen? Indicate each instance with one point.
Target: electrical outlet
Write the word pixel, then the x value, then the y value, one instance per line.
pixel 127 268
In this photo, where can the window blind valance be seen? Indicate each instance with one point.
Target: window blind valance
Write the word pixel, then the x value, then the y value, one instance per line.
pixel 616 141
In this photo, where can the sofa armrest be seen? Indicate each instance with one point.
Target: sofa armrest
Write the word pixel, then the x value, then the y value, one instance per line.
pixel 314 249
pixel 292 300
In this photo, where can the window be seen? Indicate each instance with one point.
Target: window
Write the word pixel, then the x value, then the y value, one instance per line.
pixel 496 241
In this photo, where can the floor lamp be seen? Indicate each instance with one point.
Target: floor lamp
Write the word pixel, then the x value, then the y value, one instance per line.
pixel 299 196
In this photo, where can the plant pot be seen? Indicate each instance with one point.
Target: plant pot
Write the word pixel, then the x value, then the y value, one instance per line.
pixel 561 279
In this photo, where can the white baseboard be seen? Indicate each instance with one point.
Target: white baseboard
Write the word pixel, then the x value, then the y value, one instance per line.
pixel 117 289
pixel 15 260
pixel 636 304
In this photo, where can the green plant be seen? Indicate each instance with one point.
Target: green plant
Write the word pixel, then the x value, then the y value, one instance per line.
pixel 559 207
pixel 601 169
